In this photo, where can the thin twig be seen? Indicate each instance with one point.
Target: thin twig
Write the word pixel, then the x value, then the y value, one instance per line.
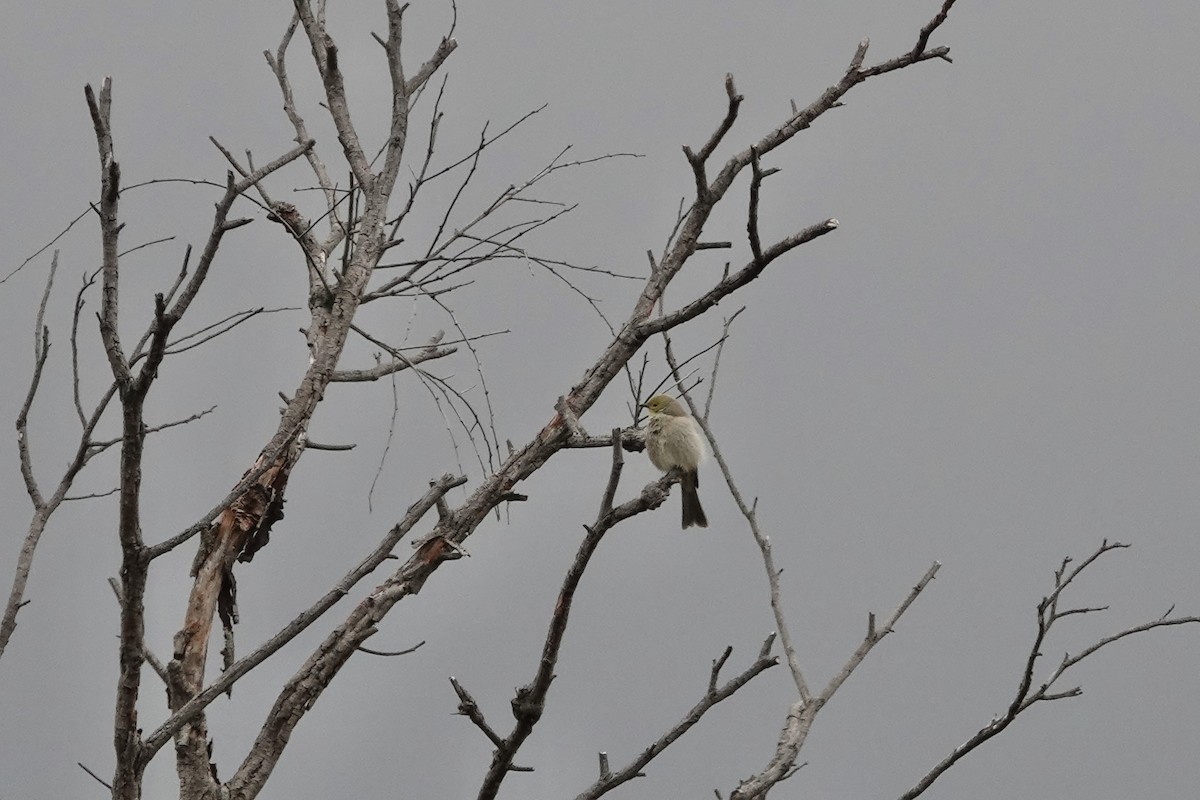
pixel 391 653
pixel 100 780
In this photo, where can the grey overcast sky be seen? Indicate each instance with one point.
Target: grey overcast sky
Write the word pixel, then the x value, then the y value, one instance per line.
pixel 992 363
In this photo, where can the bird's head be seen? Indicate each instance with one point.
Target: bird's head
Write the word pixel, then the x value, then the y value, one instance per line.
pixel 664 404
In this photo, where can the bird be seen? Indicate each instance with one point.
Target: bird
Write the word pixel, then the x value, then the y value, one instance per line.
pixel 673 441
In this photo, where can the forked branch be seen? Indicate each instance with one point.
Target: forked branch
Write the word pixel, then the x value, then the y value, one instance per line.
pixel 1031 689
pixel 715 694
pixel 803 711
pixel 530 700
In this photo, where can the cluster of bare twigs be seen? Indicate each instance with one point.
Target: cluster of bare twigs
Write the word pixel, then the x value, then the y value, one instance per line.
pixel 347 265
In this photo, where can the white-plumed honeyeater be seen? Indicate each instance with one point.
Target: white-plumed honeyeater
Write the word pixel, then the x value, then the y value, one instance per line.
pixel 673 441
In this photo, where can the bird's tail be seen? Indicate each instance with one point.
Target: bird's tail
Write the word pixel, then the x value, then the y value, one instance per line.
pixel 693 513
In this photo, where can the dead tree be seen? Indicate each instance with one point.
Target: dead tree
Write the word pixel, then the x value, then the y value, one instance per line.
pixel 362 221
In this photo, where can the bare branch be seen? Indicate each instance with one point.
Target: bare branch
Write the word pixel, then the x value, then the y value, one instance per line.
pixel 927 31
pixel 485 142
pixel 220 327
pixel 400 361
pixel 444 49
pixel 470 709
pixel 876 634
pixel 325 55
pixel 712 380
pixel 749 512
pixel 309 444
pixel 577 433
pixel 631 440
pixel 733 282
pixel 493 444
pixel 151 659
pixel 278 68
pixel 91 495
pixel 720 662
pixel 752 218
pixel 196 704
pixel 401 89
pixel 697 160
pixel 100 780
pixel 711 697
pixel 419 180
pixel 47 245
pixel 88 280
pixel 530 700
pixel 44 507
pixel 41 351
pixel 151 243
pixel 392 653
pixel 110 228
pixel 804 710
pixel 1027 695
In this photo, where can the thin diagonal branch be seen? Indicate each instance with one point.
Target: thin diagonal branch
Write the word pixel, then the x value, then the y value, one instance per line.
pixel 801 714
pixel 278 65
pixel 712 696
pixel 530 700
pixel 399 362
pixel 1027 693
pixel 325 56
pixel 41 352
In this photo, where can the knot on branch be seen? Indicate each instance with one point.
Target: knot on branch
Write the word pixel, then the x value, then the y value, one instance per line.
pixel 286 214
pixel 526 705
